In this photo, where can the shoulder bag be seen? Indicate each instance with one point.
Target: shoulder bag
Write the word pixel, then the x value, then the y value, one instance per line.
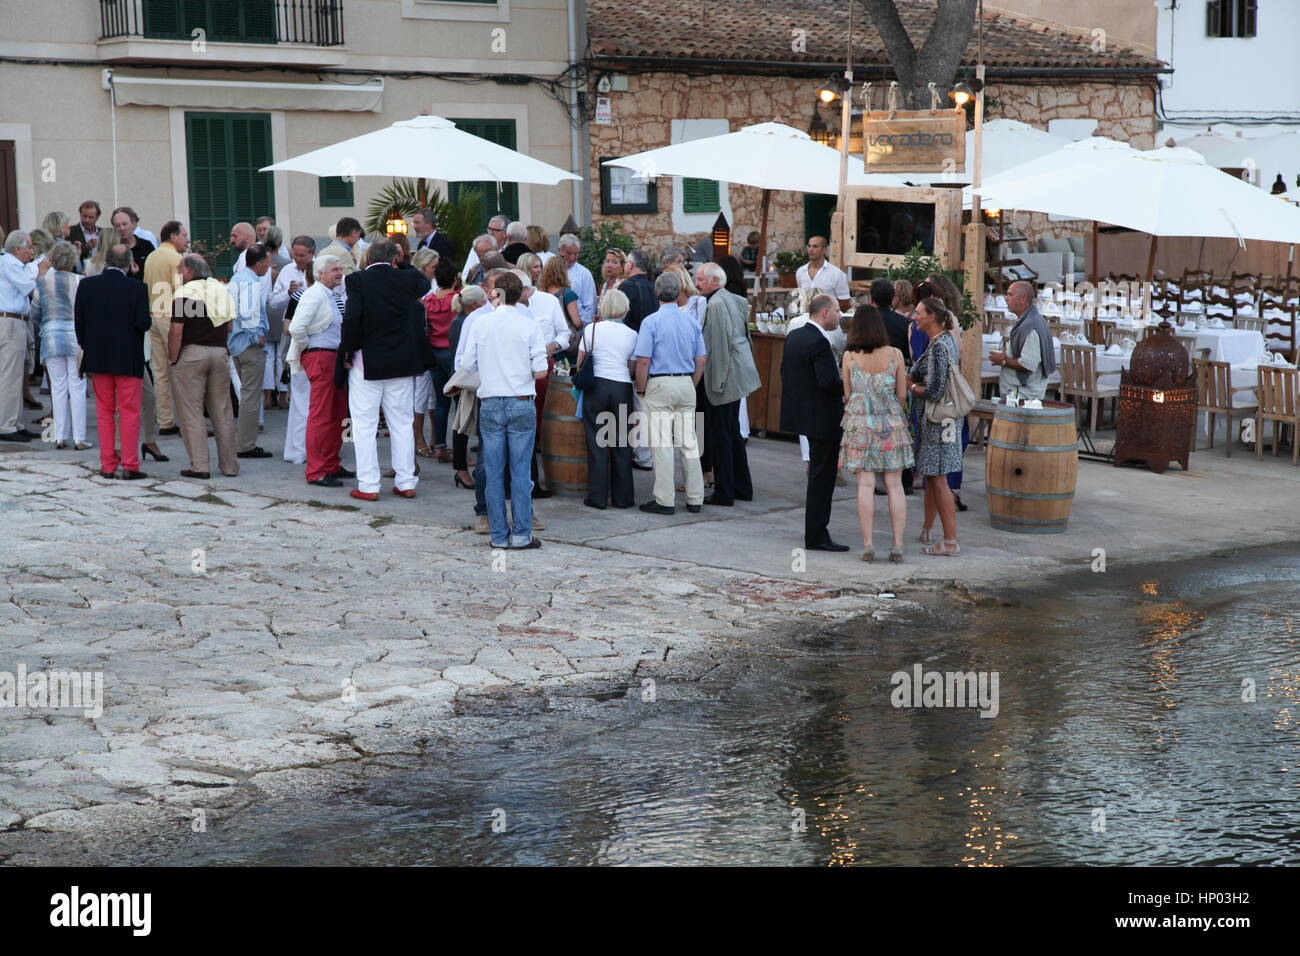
pixel 957 400
pixel 585 377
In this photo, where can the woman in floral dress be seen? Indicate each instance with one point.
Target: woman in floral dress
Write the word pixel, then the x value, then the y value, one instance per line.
pixel 876 436
pixel 938 443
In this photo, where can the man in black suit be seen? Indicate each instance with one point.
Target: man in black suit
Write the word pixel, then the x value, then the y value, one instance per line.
pixel 84 234
pixel 516 233
pixel 384 345
pixel 427 235
pixel 882 297
pixel 111 317
pixel 812 404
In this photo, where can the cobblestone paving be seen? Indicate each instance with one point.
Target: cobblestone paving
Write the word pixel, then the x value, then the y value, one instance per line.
pixel 242 636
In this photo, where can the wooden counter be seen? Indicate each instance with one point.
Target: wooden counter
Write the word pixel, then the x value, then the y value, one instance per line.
pixel 765 403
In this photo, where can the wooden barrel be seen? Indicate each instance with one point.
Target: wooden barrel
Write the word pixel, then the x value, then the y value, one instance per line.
pixel 564 441
pixel 1031 468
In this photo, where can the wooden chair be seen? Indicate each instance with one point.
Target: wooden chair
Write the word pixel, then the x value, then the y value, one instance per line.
pixel 1219 305
pixel 1214 393
pixel 1000 322
pixel 1277 403
pixel 1277 311
pixel 1244 288
pixel 1252 323
pixel 1193 288
pixel 1078 368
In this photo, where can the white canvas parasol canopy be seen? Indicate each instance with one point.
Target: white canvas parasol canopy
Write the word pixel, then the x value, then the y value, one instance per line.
pixel 427 147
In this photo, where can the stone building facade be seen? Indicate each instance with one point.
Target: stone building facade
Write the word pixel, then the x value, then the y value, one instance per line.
pixel 686 83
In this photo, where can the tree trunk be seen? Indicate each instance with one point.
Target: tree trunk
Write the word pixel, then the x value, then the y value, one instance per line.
pixel 939 57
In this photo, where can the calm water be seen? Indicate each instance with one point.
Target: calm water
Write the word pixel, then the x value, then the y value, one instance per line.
pixel 1118 693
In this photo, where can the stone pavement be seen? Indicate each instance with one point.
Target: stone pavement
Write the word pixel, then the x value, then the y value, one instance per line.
pixel 255 625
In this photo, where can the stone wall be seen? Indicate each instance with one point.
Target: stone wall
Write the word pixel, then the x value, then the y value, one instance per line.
pixel 642 120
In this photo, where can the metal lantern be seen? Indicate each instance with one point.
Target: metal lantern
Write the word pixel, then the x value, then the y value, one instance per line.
pixel 721 237
pixel 818 131
pixel 1157 403
pixel 395 225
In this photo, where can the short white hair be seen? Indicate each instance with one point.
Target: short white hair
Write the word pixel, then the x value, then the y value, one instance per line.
pixel 516 232
pixel 524 277
pixel 712 269
pixel 569 241
pixel 16 240
pixel 489 239
pixel 323 262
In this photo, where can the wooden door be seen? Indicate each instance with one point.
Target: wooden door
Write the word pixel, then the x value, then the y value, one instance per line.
pixel 8 187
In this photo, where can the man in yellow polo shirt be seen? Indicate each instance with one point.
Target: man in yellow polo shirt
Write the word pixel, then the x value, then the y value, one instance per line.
pixel 162 277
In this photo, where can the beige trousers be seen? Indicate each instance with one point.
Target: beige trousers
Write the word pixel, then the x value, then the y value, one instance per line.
pixel 251 364
pixel 669 422
pixel 203 373
pixel 13 361
pixel 161 370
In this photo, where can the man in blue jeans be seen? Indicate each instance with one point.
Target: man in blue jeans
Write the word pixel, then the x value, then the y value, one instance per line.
pixel 508 351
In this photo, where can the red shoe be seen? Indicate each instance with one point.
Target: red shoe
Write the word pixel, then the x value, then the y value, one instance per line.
pixel 404 492
pixel 364 495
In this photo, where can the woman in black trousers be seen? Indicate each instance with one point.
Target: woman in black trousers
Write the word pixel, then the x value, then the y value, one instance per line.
pixel 607 405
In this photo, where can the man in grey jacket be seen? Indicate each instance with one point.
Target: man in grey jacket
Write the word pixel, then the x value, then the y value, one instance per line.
pixel 729 376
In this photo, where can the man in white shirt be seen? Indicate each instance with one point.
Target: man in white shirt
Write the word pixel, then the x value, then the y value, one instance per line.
pixel 820 274
pixel 15 303
pixel 497 233
pixel 293 277
pixel 509 353
pixel 580 278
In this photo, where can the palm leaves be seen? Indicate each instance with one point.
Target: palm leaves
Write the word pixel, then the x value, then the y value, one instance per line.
pixel 458 221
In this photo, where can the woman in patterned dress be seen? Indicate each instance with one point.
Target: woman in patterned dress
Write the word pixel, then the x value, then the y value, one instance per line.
pixel 938 443
pixel 876 436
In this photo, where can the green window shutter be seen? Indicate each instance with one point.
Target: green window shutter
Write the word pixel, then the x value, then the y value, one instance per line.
pixel 259 21
pixel 700 195
pixel 224 153
pixel 492 199
pixel 162 19
pixel 335 191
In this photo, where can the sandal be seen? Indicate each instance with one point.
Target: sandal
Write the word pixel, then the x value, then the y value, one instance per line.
pixel 941 550
pixel 869 555
pixel 925 537
pixel 424 451
pixel 956 500
pixel 896 555
pixel 442 454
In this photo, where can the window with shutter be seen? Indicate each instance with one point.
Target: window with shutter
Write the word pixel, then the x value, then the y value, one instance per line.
pixel 162 19
pixel 335 191
pixel 700 195
pixel 224 153
pixel 1231 18
pixel 492 199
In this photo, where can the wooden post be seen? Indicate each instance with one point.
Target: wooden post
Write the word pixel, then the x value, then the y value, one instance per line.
pixel 971 339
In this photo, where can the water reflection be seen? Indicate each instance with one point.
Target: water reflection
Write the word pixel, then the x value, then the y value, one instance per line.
pixel 1124 736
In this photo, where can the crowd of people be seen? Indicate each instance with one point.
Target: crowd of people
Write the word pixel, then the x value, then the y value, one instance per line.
pixel 362 337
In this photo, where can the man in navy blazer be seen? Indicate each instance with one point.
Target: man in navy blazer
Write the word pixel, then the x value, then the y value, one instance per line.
pixel 427 235
pixel 111 316
pixel 812 404
pixel 383 346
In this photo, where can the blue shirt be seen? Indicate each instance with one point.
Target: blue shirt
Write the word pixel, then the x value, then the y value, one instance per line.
pixel 584 287
pixel 671 339
pixel 246 290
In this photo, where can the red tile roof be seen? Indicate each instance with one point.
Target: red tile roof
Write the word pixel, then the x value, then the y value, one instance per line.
pixel 761 31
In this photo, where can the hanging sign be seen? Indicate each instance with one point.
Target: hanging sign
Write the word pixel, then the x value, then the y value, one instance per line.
pixel 603 113
pixel 915 141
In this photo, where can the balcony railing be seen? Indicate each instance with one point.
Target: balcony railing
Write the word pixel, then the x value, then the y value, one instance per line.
pixel 312 22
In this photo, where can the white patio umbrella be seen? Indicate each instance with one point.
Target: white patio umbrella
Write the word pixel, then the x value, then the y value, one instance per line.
pixel 767 156
pixel 1162 192
pixel 426 147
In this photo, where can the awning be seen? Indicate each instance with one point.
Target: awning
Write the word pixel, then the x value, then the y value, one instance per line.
pixel 247 95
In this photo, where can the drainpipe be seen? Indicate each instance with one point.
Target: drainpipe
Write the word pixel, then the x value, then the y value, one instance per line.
pixel 575 126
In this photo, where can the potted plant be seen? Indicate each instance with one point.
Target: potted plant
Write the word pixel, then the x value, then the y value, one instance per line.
pixel 787 264
pixel 917 265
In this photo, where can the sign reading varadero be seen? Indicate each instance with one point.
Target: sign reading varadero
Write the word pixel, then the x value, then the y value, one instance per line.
pixel 915 141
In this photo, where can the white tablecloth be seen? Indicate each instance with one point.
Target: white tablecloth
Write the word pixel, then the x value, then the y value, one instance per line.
pixel 1247 376
pixel 1234 346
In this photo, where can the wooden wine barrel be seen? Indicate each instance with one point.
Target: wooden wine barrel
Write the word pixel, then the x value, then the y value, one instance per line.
pixel 564 441
pixel 1031 468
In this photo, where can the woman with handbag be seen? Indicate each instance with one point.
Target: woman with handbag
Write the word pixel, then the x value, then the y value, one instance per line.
pixel 605 377
pixel 936 378
pixel 52 318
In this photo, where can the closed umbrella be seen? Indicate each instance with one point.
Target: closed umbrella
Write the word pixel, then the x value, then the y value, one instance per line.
pixel 427 147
